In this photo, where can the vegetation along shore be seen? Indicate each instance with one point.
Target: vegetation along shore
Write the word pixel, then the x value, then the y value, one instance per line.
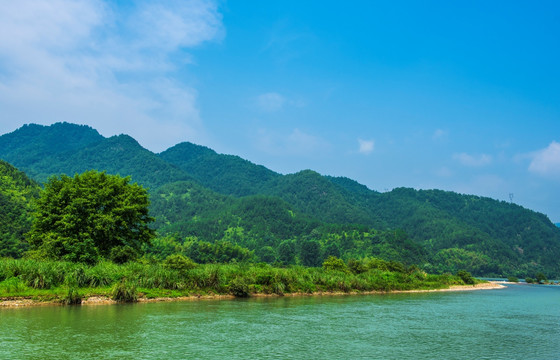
pixel 32 282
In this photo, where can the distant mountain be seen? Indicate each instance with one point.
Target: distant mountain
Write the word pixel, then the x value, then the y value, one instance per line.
pixel 198 193
pixel 16 193
pixel 557 224
pixel 68 149
pixel 226 174
pixel 31 144
pixel 322 197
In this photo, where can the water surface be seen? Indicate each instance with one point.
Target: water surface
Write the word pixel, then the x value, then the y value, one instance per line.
pixel 520 322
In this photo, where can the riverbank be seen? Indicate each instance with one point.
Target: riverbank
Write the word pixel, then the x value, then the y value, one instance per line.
pixel 106 300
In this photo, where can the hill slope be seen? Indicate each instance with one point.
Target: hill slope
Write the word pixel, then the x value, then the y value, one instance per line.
pixel 226 174
pixel 117 155
pixel 32 143
pixel 63 148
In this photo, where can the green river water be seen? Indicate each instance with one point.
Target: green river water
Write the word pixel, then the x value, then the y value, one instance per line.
pixel 520 322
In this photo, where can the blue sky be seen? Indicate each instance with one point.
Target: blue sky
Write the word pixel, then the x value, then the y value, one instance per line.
pixel 460 96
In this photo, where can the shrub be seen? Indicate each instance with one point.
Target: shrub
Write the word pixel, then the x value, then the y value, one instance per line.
pixel 357 266
pixel 123 254
pixel 179 262
pixel 124 291
pixel 513 279
pixel 466 277
pixel 334 263
pixel 73 297
pixel 238 287
pixel 540 277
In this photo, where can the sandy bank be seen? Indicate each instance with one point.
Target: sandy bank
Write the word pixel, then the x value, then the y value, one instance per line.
pixel 103 300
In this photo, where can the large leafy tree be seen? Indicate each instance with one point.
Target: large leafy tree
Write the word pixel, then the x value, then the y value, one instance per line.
pixel 90 215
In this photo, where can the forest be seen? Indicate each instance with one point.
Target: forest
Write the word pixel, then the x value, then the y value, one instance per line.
pixel 215 208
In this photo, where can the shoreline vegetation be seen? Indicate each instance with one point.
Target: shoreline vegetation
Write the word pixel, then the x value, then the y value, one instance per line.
pixel 27 282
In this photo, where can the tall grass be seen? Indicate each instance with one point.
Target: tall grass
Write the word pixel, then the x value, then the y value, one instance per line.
pixel 126 280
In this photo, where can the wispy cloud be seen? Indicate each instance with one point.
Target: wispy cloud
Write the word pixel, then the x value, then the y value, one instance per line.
pixel 546 162
pixel 86 61
pixel 473 160
pixel 366 146
pixel 439 134
pixel 270 102
pixel 297 142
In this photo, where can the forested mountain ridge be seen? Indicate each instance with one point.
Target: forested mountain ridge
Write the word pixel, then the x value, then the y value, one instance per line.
pixel 119 154
pixel 200 195
pixel 32 144
pixel 226 174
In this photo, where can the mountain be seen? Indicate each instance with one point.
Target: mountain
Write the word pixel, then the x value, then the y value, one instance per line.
pixel 31 144
pixel 69 149
pixel 322 198
pixel 197 193
pixel 326 198
pixel 16 194
pixel 226 174
pixel 475 231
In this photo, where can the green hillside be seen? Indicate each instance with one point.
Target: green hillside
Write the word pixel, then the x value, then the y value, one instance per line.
pixel 201 197
pixel 318 196
pixel 63 148
pixel 16 193
pixel 120 155
pixel 226 174
pixel 32 144
pixel 483 234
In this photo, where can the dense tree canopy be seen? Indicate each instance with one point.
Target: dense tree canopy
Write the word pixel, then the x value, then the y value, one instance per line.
pixel 16 193
pixel 88 216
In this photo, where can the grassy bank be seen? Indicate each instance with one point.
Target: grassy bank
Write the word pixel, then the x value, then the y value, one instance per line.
pixel 70 282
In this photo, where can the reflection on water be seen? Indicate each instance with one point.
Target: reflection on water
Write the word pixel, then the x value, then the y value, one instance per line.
pixel 521 322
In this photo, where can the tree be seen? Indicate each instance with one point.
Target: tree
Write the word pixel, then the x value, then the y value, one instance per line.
pixel 466 277
pixel 540 277
pixel 287 252
pixel 310 253
pixel 89 216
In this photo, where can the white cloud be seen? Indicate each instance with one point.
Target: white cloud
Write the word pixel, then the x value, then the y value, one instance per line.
pixel 270 102
pixel 439 134
pixel 86 61
pixel 546 162
pixel 303 141
pixel 174 24
pixel 297 143
pixel 473 161
pixel 366 146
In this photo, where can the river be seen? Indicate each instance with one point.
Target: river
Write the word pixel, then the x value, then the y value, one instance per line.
pixel 519 322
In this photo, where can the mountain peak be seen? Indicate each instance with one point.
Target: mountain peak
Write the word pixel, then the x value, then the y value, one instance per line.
pixel 24 146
